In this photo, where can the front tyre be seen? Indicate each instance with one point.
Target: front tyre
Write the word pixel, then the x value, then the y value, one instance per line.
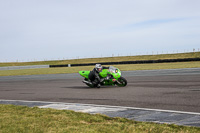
pixel 121 82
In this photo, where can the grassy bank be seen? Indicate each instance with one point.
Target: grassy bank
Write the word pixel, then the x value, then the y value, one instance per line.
pixel 110 59
pixel 24 119
pixel 63 70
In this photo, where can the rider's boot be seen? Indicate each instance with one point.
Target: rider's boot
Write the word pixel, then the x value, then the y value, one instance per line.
pixel 98 85
pixel 87 82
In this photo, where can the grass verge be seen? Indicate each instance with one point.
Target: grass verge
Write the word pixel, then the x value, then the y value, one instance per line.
pixel 107 59
pixel 177 65
pixel 25 119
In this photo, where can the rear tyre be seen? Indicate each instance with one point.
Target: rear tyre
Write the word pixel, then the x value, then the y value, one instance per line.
pixel 121 82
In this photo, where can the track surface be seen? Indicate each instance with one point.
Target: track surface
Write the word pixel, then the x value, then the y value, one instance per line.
pixel 176 89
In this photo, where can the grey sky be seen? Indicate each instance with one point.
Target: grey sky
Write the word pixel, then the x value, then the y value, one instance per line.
pixel 49 29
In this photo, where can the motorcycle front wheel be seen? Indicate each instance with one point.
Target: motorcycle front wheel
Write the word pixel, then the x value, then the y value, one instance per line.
pixel 121 82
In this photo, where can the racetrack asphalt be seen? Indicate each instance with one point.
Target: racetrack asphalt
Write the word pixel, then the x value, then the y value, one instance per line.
pixel 173 89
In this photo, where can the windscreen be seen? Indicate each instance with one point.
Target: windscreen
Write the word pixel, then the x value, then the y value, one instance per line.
pixel 112 69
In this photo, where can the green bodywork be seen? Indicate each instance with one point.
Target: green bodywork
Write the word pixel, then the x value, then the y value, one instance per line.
pixel 85 74
pixel 115 72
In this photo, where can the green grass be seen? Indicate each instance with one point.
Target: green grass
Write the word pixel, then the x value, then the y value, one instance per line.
pixel 110 59
pixel 195 64
pixel 15 119
pixel 62 70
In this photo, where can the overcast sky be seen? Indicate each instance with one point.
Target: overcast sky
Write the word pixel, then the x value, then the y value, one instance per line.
pixel 57 29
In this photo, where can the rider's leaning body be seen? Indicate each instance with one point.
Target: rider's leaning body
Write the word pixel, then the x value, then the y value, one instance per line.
pixel 94 74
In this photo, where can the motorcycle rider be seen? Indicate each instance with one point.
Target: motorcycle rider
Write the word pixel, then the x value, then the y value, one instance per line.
pixel 94 75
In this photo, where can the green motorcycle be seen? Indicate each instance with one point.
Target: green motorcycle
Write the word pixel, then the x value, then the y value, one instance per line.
pixel 111 76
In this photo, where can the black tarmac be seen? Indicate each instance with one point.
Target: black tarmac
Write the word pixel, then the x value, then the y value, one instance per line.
pixel 175 89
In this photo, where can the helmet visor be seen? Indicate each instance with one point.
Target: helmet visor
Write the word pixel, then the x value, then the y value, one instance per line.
pixel 99 69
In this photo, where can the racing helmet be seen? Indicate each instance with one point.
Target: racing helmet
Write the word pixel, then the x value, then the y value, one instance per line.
pixel 98 67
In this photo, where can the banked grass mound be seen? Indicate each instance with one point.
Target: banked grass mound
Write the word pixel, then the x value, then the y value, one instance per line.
pixel 109 59
pixel 25 119
pixel 131 67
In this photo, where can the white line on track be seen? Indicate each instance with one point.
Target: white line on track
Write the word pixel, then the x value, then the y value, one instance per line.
pixel 108 106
